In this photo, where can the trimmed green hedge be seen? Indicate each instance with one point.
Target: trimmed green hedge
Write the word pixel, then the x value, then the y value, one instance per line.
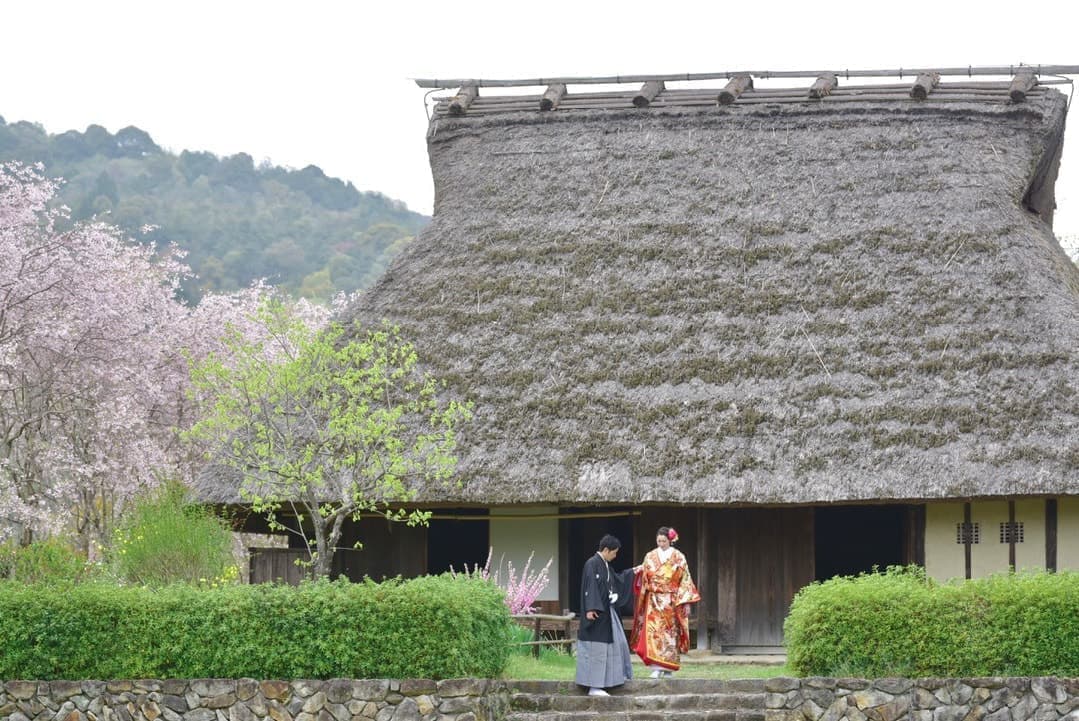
pixel 900 623
pixel 431 627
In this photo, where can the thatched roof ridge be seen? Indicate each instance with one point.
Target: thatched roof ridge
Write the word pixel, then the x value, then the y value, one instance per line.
pixel 964 92
pixel 749 305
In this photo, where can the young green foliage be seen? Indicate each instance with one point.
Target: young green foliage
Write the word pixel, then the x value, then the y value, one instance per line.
pixel 323 426
pixel 164 538
pixel 48 561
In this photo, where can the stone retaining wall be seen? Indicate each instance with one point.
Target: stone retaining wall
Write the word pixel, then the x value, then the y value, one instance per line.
pixel 785 699
pixel 251 700
pixel 892 699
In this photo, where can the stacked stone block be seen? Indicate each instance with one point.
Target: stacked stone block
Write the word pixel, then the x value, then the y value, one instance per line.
pixel 251 700
pixel 927 699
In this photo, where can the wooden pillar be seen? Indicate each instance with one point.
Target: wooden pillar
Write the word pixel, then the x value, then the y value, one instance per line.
pixel 914 543
pixel 705 579
pixel 563 563
pixel 1011 536
pixel 536 635
pixel 968 538
pixel 1051 534
pixel 725 541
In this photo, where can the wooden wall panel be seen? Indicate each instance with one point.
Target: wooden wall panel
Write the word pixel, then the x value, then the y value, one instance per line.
pixel 765 556
pixel 389 549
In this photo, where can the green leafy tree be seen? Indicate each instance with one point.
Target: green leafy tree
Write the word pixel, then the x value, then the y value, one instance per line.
pixel 323 426
pixel 237 221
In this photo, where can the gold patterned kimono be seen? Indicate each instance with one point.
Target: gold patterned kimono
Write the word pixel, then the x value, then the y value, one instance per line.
pixel 661 615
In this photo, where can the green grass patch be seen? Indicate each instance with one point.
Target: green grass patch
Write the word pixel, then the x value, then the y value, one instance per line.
pixel 563 667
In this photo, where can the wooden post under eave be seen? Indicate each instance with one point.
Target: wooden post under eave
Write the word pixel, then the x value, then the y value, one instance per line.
pixel 706 580
pixel 463 99
pixel 553 96
pixel 823 85
pixel 924 85
pixel 735 88
pixel 648 93
pixel 1022 84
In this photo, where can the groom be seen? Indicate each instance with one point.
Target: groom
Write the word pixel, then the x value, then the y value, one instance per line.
pixel 603 658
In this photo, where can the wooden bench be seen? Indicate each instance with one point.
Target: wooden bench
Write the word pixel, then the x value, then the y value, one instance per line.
pixel 539 623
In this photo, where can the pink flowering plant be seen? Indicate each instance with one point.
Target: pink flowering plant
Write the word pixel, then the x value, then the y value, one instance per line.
pixel 521 590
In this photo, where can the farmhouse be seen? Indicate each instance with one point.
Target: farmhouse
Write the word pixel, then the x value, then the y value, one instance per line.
pixel 817 329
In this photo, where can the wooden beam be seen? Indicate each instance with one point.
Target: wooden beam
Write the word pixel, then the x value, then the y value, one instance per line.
pixel 553 96
pixel 648 93
pixel 924 85
pixel 463 99
pixel 823 85
pixel 1022 84
pixel 735 88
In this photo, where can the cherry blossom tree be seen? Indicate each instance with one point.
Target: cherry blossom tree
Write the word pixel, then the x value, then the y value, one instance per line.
pixel 94 354
pixel 81 347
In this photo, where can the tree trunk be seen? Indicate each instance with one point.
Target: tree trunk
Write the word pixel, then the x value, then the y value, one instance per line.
pixel 323 550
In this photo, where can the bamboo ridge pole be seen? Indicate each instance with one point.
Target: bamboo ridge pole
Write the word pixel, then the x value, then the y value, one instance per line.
pixel 969 71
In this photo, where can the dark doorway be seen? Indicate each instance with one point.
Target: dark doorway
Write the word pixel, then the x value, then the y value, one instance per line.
pixel 853 539
pixel 455 537
pixel 584 535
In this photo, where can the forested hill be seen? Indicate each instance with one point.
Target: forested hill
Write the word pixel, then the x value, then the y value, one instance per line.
pixel 308 233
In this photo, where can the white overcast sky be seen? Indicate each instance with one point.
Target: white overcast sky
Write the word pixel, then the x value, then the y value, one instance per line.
pixel 329 83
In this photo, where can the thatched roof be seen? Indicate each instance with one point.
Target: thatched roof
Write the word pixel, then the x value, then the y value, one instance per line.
pixel 758 303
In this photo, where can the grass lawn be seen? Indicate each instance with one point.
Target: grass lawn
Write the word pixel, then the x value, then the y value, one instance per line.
pixel 552 666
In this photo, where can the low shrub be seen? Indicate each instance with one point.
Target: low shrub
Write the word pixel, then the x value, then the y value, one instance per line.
pixel 51 560
pixel 901 623
pixel 431 627
pixel 163 538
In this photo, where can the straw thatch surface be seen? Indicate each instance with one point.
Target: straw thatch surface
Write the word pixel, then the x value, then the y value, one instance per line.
pixel 749 304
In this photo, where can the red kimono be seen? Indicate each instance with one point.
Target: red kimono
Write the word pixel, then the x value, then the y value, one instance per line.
pixel 661 615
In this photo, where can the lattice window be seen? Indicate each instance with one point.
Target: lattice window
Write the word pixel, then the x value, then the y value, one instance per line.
pixel 1011 532
pixel 968 533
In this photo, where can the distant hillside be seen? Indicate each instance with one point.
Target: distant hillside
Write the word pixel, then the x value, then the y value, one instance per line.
pixel 308 233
